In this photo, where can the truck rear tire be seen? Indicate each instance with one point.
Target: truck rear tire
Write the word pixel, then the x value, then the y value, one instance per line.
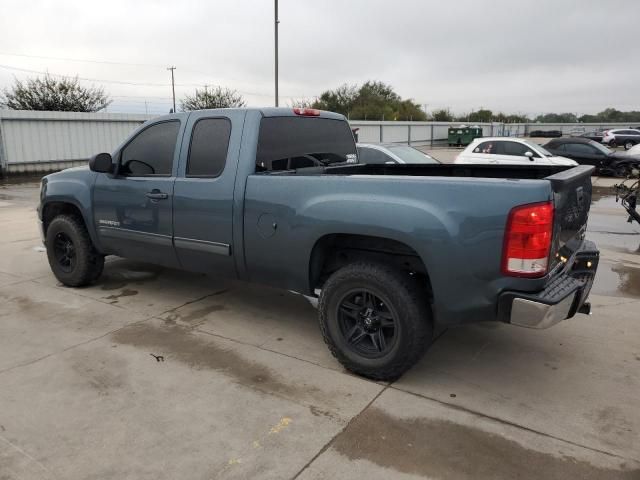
pixel 73 259
pixel 375 320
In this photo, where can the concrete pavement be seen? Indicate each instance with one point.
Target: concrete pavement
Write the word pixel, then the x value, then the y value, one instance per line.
pixel 158 374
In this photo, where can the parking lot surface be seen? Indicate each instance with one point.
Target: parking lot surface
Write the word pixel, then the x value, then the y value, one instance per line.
pixel 158 374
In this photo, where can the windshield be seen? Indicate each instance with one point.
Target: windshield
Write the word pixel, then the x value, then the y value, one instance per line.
pixel 601 147
pixel 411 155
pixel 538 148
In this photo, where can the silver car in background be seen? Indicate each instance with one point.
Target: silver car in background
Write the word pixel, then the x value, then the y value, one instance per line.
pixel 391 153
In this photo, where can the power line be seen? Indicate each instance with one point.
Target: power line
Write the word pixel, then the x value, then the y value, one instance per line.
pixel 155 102
pixel 82 60
pixel 138 84
pixel 118 82
pixel 140 96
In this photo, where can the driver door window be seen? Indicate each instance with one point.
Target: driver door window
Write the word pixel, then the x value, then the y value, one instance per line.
pixel 580 149
pixel 151 152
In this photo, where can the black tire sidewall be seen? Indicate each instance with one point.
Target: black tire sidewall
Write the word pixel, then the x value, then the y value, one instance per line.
pixel 84 254
pixel 333 326
pixel 414 330
pixel 630 145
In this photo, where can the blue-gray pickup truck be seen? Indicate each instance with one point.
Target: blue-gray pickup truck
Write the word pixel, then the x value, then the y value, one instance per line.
pixel 278 197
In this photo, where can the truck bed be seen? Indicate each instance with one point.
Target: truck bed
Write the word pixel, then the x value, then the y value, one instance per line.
pixel 452 216
pixel 437 170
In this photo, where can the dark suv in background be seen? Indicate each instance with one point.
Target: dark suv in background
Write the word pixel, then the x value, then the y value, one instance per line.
pixel 589 152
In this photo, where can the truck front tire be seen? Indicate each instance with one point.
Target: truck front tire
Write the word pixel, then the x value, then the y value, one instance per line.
pixel 375 320
pixel 71 254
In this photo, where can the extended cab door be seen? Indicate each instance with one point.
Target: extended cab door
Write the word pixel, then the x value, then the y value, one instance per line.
pixel 133 207
pixel 204 192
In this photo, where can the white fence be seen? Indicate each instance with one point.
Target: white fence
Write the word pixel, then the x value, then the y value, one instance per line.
pixel 413 133
pixel 46 141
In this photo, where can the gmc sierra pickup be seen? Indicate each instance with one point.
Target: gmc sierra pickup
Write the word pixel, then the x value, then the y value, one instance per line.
pixel 276 196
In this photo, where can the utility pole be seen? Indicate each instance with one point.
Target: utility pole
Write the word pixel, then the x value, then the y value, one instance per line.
pixel 276 46
pixel 173 88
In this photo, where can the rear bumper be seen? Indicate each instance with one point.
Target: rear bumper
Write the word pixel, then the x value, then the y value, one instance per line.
pixel 563 297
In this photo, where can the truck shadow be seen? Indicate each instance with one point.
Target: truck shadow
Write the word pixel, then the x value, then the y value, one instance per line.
pixel 487 354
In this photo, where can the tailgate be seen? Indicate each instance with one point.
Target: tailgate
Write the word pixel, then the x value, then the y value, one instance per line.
pixel 572 200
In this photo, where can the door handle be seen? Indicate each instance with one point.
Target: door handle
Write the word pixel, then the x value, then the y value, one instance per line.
pixel 156 194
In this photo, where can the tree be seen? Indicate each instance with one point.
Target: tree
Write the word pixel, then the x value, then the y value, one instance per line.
pixel 49 94
pixel 371 101
pixel 557 118
pixel 340 100
pixel 218 97
pixel 442 115
pixel 611 115
pixel 482 115
pixel 302 102
pixel 511 118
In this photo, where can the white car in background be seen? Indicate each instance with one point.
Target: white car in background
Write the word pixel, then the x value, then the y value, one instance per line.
pixel 508 151
pixel 633 151
pixel 390 153
pixel 627 137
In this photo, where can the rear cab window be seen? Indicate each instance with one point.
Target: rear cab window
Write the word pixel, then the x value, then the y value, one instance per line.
pixel 208 147
pixel 288 143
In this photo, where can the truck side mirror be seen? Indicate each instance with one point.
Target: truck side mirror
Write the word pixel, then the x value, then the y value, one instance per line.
pixel 529 155
pixel 101 162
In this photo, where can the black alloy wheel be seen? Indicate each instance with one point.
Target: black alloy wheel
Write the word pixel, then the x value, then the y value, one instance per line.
pixel 71 254
pixel 375 319
pixel 65 252
pixel 367 324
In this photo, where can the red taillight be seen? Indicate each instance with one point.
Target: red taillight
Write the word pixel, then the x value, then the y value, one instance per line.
pixel 307 112
pixel 527 240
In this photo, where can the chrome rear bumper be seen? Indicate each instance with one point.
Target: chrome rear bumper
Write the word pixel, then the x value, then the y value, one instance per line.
pixel 562 298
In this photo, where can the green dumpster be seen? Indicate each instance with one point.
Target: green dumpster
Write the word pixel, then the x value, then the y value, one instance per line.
pixel 463 135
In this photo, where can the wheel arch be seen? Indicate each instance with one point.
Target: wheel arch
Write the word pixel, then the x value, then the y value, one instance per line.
pixel 333 251
pixel 53 208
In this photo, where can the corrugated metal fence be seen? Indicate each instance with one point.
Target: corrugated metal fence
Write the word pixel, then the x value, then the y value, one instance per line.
pixel 46 141
pixel 414 133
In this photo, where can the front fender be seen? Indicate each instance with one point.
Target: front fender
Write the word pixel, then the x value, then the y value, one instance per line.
pixel 73 187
